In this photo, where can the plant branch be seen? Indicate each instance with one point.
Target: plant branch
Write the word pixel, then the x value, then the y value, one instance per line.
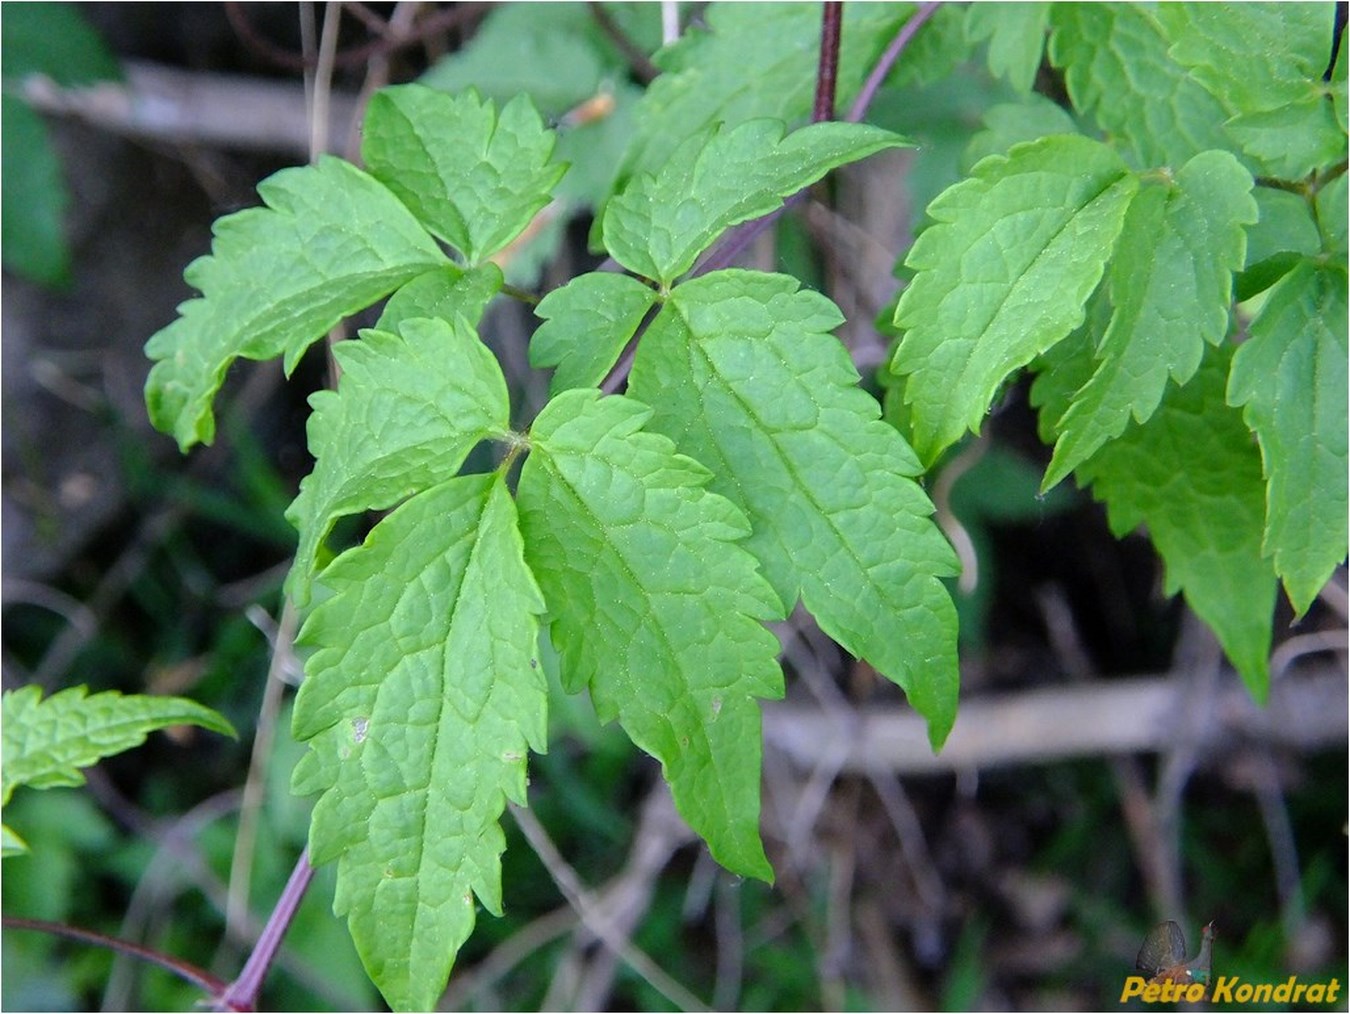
pixel 902 39
pixel 200 978
pixel 831 22
pixel 285 58
pixel 641 64
pixel 1128 715
pixel 595 920
pixel 743 235
pixel 242 994
pixel 250 808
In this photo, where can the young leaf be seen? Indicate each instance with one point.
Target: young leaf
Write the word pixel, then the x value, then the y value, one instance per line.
pixel 655 607
pixel 1003 275
pixel 330 241
pixel 472 177
pixel 1016 34
pixel 1117 68
pixel 586 325
pixel 46 742
pixel 717 179
pixel 448 293
pixel 1171 283
pixel 409 408
pixel 422 696
pixel 1207 528
pixel 741 370
pixel 1290 376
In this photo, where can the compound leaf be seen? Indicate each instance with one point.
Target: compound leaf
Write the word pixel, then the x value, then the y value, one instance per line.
pixel 1171 283
pixel 1117 67
pixel 330 241
pixel 1003 275
pixel 586 325
pixel 1290 378
pixel 655 607
pixel 720 178
pixel 742 371
pixel 409 408
pixel 1191 475
pixel 422 697
pixel 472 177
pixel 46 742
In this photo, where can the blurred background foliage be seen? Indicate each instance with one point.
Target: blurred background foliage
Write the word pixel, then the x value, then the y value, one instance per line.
pixel 1016 886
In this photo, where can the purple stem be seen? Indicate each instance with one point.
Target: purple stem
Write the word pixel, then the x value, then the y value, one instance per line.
pixel 831 22
pixel 887 61
pixel 746 233
pixel 203 980
pixel 242 994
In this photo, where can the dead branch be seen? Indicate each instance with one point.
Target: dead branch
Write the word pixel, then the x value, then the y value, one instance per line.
pixel 188 107
pixel 1306 712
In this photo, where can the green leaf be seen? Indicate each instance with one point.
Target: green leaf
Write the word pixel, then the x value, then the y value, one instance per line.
pixel 1332 217
pixel 1003 275
pixel 743 372
pixel 1255 56
pixel 408 410
pixel 10 843
pixel 1264 62
pixel 1290 376
pixel 586 325
pixel 1011 123
pixel 330 241
pixel 1283 233
pixel 1117 68
pixel 422 696
pixel 931 58
pixel 548 51
pixel 1191 475
pixel 1171 284
pixel 751 61
pixel 56 40
pixel 655 606
pixel 33 196
pixel 473 178
pixel 1293 140
pixel 661 223
pixel 1016 34
pixel 447 293
pixel 46 742
pixel 1284 225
